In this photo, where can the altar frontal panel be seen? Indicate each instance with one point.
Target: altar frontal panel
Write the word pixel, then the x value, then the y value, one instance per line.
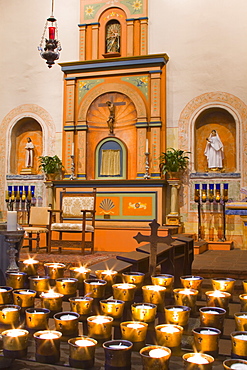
pixel 126 206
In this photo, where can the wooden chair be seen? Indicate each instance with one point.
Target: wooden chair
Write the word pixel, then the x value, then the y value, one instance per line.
pixel 38 223
pixel 77 215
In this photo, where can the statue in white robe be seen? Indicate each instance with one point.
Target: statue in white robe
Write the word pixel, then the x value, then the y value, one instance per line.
pixel 29 153
pixel 214 151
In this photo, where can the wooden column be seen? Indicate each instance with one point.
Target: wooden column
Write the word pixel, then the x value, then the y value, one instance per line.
pixel 144 36
pixel 95 40
pixel 82 50
pixel 130 37
pixel 69 126
pixel 140 145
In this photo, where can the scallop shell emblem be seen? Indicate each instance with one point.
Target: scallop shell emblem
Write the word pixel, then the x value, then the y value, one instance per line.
pixel 106 204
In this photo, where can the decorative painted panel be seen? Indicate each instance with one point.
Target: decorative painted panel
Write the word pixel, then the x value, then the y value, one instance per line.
pixel 126 206
pixel 85 85
pixel 134 6
pixel 139 81
pixel 91 10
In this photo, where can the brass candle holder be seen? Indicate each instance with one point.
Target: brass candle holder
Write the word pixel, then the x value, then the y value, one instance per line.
pixel 240 321
pixel 10 315
pixel 124 291
pixel 244 282
pixel 154 294
pixel 191 282
pixel 39 284
pixel 51 300
pixel 100 327
pixel 117 354
pixel 29 266
pixel 67 323
pixel 217 298
pixel 16 280
pixel 109 276
pixel 37 318
pixel 80 273
pixel 165 280
pixel 81 305
pixel 155 357
pixel 81 352
pixel 66 286
pixel 206 340
pixel 169 335
pixel 136 278
pixel 112 307
pixel 239 345
pixel 134 331
pixel 5 294
pixel 95 288
pixel 212 317
pixel 186 297
pixel 54 271
pixel 243 302
pixel 223 284
pixel 15 342
pixel 177 315
pixel 235 364
pixel 24 298
pixel 47 346
pixel 145 312
pixel 197 361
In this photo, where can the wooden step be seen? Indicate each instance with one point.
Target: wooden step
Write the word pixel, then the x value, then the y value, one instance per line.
pixel 220 245
pixel 200 246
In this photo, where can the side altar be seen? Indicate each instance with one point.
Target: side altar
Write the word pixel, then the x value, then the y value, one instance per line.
pixel 122 208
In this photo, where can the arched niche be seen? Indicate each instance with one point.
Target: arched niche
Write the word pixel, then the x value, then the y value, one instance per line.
pixel 112 146
pixel 24 128
pixel 223 122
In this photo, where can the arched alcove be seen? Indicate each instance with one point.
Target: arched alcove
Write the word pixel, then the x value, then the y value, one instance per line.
pixel 24 128
pixel 223 122
pixel 110 153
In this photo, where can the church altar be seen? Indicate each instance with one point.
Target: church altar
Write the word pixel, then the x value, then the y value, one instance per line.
pixel 122 208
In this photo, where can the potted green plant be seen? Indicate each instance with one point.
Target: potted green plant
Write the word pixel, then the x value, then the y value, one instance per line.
pixel 51 166
pixel 173 162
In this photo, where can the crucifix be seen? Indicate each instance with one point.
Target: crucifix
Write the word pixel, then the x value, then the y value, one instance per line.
pixel 153 239
pixel 112 107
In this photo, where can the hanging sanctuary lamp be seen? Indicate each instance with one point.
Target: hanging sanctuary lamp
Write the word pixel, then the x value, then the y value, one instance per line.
pixel 50 48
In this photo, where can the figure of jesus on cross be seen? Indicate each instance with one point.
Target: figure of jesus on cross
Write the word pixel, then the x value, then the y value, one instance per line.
pixel 112 116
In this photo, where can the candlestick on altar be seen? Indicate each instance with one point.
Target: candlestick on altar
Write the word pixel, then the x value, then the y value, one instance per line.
pixel 155 357
pixel 145 312
pixel 134 331
pixel 14 241
pixel 47 346
pixel 67 323
pixel 117 354
pixel 206 340
pixel 15 342
pixel 81 352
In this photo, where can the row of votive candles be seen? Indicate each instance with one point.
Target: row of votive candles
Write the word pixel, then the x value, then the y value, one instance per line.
pixel 99 327
pixel 211 194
